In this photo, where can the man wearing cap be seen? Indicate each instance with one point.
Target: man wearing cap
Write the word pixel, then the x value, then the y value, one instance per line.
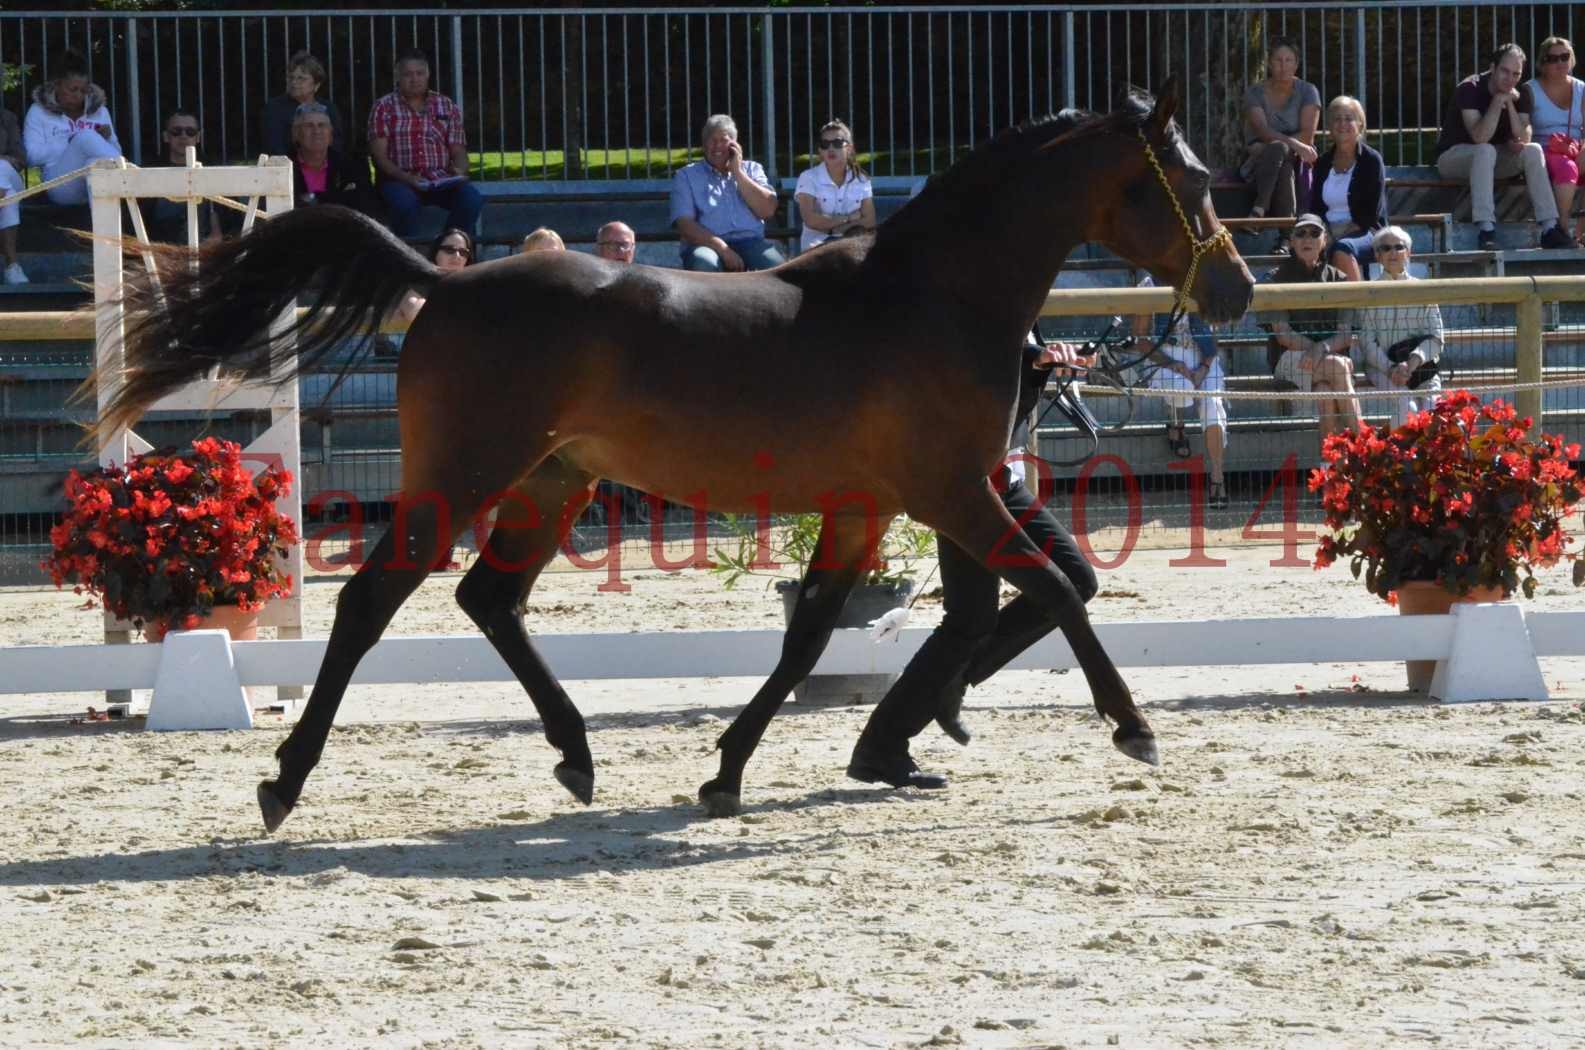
pixel 1309 348
pixel 1486 136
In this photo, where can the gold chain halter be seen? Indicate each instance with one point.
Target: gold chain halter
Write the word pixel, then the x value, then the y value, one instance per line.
pixel 1198 249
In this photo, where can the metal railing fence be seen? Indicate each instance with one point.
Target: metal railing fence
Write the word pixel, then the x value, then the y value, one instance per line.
pixel 620 93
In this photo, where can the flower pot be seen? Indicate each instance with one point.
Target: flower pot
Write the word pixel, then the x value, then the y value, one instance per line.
pixel 866 603
pixel 242 626
pixel 1428 598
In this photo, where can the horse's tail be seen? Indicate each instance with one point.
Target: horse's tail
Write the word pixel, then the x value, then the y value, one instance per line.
pixel 219 309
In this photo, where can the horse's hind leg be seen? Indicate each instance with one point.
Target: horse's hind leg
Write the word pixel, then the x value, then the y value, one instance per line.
pixel 982 525
pixel 533 519
pixel 846 545
pixel 363 610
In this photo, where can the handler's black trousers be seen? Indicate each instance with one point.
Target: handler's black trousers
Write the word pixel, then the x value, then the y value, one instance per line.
pixel 975 639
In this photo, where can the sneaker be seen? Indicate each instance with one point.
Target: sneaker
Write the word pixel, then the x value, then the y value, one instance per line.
pixel 14 274
pixel 1552 237
pixel 1486 240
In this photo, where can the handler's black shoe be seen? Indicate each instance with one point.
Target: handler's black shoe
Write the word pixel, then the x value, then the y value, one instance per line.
pixel 949 711
pixel 873 765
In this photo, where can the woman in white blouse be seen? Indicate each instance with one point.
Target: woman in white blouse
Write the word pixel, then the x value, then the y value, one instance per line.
pixel 834 197
pixel 1383 328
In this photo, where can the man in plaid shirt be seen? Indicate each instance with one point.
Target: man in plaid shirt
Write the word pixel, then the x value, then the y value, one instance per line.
pixel 420 150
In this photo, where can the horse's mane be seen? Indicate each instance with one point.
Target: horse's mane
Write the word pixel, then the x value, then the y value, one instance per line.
pixel 985 168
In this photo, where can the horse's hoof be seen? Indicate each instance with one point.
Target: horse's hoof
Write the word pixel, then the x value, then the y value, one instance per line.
pixel 1137 744
pixel 578 781
pixel 271 807
pixel 719 802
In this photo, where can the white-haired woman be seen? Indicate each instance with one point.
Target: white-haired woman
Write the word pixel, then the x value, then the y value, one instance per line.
pixel 719 205
pixel 1402 345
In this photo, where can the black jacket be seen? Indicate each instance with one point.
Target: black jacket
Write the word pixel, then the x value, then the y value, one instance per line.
pixel 346 182
pixel 1367 190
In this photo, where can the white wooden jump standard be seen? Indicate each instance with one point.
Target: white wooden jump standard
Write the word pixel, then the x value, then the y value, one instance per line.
pixel 1486 652
pixel 112 181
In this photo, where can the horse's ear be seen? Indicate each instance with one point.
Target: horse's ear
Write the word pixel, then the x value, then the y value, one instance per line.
pixel 1166 105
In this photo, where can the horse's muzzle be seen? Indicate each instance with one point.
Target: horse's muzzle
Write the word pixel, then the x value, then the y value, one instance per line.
pixel 1225 289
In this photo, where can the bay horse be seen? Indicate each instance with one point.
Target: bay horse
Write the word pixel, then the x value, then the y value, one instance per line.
pixel 526 380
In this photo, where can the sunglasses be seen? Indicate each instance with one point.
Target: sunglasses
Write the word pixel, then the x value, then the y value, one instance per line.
pixel 1306 233
pixel 447 249
pixel 182 132
pixel 833 143
pixel 1564 57
pixel 1392 247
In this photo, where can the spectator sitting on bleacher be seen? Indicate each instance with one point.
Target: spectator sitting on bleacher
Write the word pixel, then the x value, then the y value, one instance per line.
pixel 1486 136
pixel 420 150
pixel 1308 349
pixel 68 127
pixel 616 241
pixel 322 174
pixel 1557 107
pixel 719 206
pixel 1411 334
pixel 834 196
pixel 167 219
pixel 543 239
pixel 305 75
pixel 1350 188
pixel 1189 364
pixel 1280 117
pixel 13 162
pixel 452 250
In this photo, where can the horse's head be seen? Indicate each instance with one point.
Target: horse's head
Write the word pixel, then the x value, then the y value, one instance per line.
pixel 1162 218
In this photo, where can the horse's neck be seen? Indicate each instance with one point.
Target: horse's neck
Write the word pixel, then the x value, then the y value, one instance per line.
pixel 990 254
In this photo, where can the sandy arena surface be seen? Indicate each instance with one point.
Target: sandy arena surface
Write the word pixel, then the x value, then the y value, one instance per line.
pixel 1323 860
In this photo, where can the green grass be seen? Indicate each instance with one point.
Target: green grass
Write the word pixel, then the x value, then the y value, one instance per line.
pixel 659 163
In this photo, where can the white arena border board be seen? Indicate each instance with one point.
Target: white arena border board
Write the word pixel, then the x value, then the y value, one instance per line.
pixel 1506 671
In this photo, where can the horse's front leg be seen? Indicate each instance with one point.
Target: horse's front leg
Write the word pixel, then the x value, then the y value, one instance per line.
pixel 979 523
pixel 845 548
pixel 363 610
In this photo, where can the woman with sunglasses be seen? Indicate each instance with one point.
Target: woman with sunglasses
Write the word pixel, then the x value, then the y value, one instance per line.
pixel 1397 342
pixel 452 250
pixel 834 196
pixel 1350 188
pixel 1557 106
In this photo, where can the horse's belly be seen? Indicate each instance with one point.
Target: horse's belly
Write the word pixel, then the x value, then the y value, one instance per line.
pixel 728 474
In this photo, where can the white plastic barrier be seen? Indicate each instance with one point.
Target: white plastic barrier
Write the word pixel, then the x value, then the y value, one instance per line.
pixel 1485 652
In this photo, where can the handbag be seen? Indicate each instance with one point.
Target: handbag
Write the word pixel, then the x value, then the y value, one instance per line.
pixel 1399 352
pixel 1564 144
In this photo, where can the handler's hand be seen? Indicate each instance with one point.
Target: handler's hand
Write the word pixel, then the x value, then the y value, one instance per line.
pixel 1058 355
